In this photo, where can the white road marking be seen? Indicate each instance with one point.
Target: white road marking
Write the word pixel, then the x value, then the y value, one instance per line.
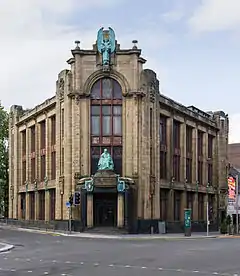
pixel 29 271
pixel 143 267
pixel 195 271
pixel 111 265
pixel 127 266
pixel 46 273
pixel 215 273
pixel 67 262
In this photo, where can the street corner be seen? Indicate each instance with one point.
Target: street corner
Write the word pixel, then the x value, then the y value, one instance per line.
pixel 4 247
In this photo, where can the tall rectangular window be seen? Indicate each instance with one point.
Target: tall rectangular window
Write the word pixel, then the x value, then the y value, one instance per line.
pixel 53 149
pixel 163 147
pixel 53 165
pixel 210 146
pixel 176 134
pixel 24 152
pixel 43 135
pixel 43 150
pixel 33 153
pixel 176 150
pixel 163 165
pixel 106 122
pixel 53 130
pixel 43 167
pixel 189 154
pixel 200 156
pixel 163 130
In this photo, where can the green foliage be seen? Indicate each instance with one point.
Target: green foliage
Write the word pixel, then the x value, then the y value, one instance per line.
pixel 229 220
pixel 224 227
pixel 3 161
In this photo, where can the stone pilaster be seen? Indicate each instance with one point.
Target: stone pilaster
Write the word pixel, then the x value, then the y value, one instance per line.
pixel 84 136
pixel 183 204
pixel 144 179
pixel 59 146
pixel 76 141
pixel 90 210
pixel 36 205
pixel 183 152
pixel 205 207
pixel 68 152
pixel 171 205
pixel 195 207
pixel 120 210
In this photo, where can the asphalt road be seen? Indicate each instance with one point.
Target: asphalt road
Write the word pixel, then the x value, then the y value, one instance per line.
pixel 39 254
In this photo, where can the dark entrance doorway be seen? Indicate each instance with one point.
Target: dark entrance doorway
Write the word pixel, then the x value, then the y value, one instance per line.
pixel 105 209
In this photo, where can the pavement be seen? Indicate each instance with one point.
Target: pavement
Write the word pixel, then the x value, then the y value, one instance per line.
pixel 37 254
pixel 114 236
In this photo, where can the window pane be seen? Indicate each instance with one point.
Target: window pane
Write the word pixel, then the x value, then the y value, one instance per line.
pixel 117 91
pixel 95 92
pixel 117 110
pixel 106 88
pixel 95 126
pixel 117 125
pixel 106 125
pixel 117 159
pixel 106 110
pixel 95 110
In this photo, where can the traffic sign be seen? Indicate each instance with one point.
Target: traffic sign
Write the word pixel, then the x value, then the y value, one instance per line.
pixel 68 205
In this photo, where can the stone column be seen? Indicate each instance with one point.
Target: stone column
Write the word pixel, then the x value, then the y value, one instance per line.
pixel 67 153
pixel 47 205
pixel 195 207
pixel 59 166
pixel 205 206
pixel 18 210
pixel 183 152
pixel 36 206
pixel 27 216
pixel 183 204
pixel 120 211
pixel 90 210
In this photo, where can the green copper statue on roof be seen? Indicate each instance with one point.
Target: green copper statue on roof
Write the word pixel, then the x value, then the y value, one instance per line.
pixel 106 44
pixel 105 162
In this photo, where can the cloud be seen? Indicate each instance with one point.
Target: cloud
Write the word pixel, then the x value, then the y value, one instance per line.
pixel 36 39
pixel 35 43
pixel 216 15
pixel 234 128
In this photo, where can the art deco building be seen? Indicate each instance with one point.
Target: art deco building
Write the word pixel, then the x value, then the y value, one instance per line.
pixel 169 156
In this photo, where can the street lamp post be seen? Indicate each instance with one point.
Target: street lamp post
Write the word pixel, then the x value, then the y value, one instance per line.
pixel 207 210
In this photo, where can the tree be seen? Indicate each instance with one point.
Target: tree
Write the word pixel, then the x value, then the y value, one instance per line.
pixel 4 183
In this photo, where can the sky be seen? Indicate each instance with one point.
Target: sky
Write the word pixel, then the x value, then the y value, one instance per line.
pixel 193 45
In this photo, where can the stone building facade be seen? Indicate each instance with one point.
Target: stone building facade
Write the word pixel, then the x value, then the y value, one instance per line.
pixel 165 152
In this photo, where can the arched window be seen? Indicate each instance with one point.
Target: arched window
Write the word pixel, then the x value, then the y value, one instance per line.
pixel 106 122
